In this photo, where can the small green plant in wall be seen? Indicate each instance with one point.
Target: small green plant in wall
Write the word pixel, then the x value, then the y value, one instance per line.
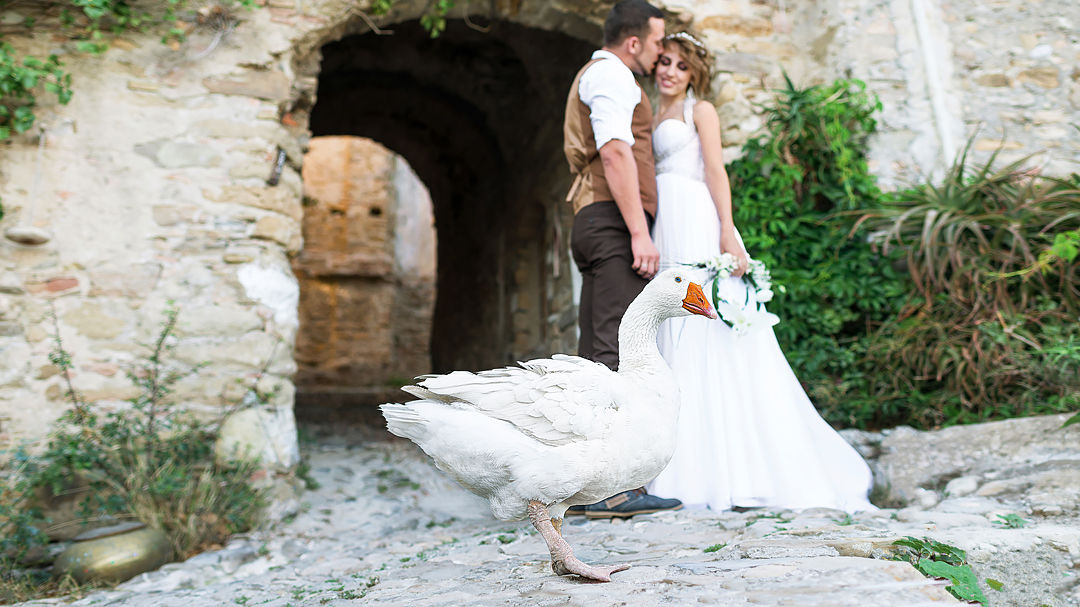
pixel 937 559
pixel 1012 521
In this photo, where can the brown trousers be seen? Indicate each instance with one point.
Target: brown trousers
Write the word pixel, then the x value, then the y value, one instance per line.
pixel 600 244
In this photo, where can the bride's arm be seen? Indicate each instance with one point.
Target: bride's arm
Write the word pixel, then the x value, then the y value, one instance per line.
pixel 712 151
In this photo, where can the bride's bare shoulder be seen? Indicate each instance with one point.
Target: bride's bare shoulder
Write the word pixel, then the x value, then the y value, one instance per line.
pixel 705 114
pixel 703 106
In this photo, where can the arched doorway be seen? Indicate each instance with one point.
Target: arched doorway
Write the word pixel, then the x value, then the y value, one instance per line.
pixel 478 115
pixel 366 274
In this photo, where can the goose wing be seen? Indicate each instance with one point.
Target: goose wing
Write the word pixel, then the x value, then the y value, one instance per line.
pixel 556 401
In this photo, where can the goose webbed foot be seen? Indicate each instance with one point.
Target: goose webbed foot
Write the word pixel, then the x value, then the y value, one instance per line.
pixel 570 564
pixel 563 561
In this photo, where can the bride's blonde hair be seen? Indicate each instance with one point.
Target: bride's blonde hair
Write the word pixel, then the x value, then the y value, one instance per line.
pixel 697 58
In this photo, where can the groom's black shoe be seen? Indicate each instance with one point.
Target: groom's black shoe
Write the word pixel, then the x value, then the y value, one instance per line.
pixel 625 505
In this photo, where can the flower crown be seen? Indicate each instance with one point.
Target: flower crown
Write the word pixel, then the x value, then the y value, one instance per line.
pixel 701 50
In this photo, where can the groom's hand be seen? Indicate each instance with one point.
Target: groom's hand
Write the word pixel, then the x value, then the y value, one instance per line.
pixel 646 256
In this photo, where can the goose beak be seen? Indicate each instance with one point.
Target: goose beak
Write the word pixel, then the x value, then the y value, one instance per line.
pixel 696 303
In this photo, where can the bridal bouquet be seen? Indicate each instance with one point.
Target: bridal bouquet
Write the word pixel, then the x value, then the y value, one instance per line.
pixel 749 314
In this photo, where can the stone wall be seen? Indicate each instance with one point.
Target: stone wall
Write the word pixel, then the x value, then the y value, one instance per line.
pixel 998 74
pixel 366 273
pixel 153 181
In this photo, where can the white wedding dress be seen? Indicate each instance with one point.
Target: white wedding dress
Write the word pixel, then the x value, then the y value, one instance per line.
pixel 748 435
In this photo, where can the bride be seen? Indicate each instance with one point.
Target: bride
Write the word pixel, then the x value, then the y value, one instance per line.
pixel 748 436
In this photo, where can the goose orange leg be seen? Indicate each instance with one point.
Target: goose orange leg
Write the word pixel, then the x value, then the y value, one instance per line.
pixel 563 561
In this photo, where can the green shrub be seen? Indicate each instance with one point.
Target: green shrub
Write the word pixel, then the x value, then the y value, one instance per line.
pixel 986 335
pixel 150 462
pixel 935 305
pixel 789 190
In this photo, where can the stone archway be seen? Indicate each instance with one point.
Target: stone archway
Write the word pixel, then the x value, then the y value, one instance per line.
pixel 366 275
pixel 478 115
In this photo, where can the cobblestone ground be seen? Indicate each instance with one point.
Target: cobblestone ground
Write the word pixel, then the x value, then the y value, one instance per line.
pixel 386 528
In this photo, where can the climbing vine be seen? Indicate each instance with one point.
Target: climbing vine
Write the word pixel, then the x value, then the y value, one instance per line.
pixel 24 78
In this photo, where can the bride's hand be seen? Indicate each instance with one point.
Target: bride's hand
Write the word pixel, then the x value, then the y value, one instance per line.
pixel 729 243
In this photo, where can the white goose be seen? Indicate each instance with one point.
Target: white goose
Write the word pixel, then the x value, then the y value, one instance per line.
pixel 558 432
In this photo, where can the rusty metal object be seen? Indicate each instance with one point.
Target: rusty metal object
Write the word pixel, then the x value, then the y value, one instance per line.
pixel 114 554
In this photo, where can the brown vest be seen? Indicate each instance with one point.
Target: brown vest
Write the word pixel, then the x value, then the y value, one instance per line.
pixel 579 145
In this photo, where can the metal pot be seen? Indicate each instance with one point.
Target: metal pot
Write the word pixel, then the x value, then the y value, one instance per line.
pixel 114 554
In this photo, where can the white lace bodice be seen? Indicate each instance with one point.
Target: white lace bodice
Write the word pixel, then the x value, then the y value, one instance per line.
pixel 676 146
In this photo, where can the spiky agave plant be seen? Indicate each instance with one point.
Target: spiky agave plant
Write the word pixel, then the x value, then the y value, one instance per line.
pixel 981 324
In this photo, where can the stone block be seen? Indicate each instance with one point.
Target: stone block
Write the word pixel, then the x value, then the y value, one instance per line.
pixel 104 388
pixel 269 85
pixel 746 26
pixel 1045 77
pixel 233 129
pixel 1049 117
pixel 169 215
pixel 743 63
pixel 216 320
pixel 136 280
pixel 263 433
pixel 993 80
pixel 240 254
pixel 171 154
pixel 964 485
pixel 728 92
pixel 143 86
pixel 251 169
pixel 280 230
pixel 97 320
pixel 108 369
pixel 254 350
pixel 58 285
pixel 14 362
pixel 990 145
pixel 1028 448
pixel 276 199
pixel 11 284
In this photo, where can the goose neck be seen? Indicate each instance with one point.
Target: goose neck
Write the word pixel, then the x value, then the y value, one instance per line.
pixel 637 336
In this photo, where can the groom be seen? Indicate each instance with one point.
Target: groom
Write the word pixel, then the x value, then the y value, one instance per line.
pixel 608 143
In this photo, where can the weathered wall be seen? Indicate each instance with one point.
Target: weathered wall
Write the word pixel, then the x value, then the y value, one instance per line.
pixel 1001 74
pixel 366 272
pixel 153 181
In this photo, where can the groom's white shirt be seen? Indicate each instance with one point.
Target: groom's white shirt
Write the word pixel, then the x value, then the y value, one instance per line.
pixel 609 89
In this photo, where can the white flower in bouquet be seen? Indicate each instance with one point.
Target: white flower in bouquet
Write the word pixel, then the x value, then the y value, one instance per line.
pixel 721 267
pixel 745 317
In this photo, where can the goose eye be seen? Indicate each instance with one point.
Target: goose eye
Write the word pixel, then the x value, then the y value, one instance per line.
pixel 678 279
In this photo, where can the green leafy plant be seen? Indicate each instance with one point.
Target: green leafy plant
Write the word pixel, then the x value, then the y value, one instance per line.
pixel 434 21
pixel 1012 521
pixel 943 303
pixel 844 522
pixel 715 547
pixel 20 77
pixel 149 461
pixel 86 23
pixel 789 190
pixel 981 337
pixel 937 559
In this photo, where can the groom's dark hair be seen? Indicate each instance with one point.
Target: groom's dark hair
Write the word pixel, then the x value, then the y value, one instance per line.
pixel 629 18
